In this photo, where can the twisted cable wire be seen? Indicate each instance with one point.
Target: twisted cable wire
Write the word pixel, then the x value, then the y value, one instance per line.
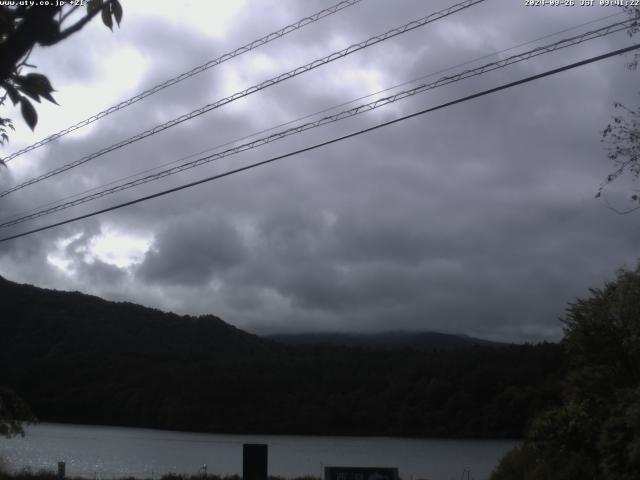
pixel 311 115
pixel 194 71
pixel 267 83
pixel 327 142
pixel 568 42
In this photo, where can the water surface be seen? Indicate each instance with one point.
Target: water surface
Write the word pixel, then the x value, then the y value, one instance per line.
pixel 109 452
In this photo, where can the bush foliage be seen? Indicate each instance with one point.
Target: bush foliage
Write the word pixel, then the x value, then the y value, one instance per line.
pixel 595 432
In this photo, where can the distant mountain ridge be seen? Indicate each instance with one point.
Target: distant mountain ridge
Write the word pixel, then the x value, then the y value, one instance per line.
pixel 392 340
pixel 69 321
pixel 76 358
pixel 87 317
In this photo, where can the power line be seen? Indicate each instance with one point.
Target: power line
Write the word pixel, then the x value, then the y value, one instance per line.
pixel 564 43
pixel 311 115
pixel 267 83
pixel 329 142
pixel 194 71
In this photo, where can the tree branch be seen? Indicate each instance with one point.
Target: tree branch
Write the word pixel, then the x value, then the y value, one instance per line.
pixel 69 12
pixel 81 23
pixel 35 26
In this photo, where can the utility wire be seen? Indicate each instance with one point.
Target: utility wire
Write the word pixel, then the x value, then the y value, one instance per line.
pixel 575 40
pixel 267 83
pixel 299 119
pixel 329 142
pixel 194 71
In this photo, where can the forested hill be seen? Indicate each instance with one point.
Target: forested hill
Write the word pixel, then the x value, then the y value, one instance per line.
pixel 79 359
pixel 425 341
pixel 54 322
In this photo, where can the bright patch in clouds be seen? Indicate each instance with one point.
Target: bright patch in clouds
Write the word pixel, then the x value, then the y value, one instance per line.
pixel 359 79
pixel 114 248
pixel 121 72
pixel 212 17
pixel 233 82
pixel 60 263
pixel 58 259
pixel 119 249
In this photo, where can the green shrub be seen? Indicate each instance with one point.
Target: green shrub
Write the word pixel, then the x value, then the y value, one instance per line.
pixel 595 433
pixel 528 463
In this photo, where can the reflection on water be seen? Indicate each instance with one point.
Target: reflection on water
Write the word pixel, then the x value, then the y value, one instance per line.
pixel 108 452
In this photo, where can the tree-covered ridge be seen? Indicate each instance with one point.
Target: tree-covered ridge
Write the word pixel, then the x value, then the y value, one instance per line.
pixel 51 322
pixel 385 340
pixel 77 358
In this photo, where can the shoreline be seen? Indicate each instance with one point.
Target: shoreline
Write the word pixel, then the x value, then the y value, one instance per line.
pixel 267 434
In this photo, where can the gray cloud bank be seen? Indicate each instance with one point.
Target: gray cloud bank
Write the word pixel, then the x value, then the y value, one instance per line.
pixel 477 219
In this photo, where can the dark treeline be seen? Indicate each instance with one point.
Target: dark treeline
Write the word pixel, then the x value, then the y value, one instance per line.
pixel 79 359
pixel 390 340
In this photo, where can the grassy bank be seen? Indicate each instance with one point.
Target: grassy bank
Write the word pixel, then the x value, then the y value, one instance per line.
pixel 51 475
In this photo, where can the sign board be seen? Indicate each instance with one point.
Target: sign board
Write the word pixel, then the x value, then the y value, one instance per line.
pixel 360 473
pixel 254 461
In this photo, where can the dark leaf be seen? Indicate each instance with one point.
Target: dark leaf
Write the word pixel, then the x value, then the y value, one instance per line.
pixel 117 11
pixel 30 93
pixel 28 113
pixel 35 85
pixel 50 98
pixel 39 81
pixel 93 6
pixel 12 92
pixel 106 18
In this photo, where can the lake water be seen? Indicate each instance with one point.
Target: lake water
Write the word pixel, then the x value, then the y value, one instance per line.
pixel 109 452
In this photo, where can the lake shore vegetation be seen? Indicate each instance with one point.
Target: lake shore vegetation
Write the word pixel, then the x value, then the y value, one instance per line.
pixel 595 432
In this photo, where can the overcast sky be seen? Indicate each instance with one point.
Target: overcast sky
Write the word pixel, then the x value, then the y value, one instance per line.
pixel 476 219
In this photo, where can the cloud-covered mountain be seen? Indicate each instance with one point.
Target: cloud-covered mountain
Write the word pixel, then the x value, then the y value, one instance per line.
pixel 80 359
pixel 386 340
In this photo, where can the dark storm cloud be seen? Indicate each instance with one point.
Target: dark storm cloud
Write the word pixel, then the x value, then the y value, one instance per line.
pixel 189 251
pixel 477 219
pixel 478 277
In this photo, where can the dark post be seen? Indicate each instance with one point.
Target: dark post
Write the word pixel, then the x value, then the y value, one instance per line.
pixel 62 469
pixel 360 473
pixel 254 461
